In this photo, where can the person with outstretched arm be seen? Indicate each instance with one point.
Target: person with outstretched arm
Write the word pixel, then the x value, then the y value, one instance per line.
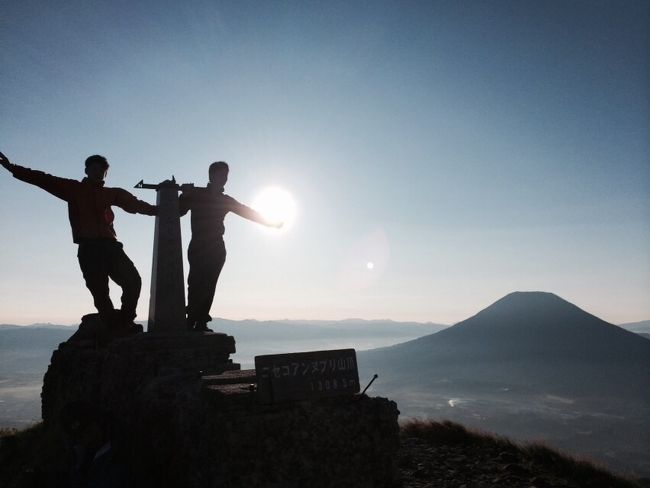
pixel 100 254
pixel 207 251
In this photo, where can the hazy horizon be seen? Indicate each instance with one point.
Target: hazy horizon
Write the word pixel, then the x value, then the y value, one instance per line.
pixel 323 320
pixel 298 320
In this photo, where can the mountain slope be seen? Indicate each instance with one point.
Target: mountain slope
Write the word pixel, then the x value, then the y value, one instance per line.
pixel 642 326
pixel 526 338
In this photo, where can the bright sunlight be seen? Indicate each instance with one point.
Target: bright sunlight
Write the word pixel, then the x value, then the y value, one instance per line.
pixel 277 205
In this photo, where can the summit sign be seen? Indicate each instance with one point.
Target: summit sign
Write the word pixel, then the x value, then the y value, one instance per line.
pixel 306 375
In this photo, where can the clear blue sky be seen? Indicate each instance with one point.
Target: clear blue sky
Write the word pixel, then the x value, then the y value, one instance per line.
pixel 468 149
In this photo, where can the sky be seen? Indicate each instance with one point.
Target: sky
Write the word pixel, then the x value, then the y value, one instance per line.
pixel 466 149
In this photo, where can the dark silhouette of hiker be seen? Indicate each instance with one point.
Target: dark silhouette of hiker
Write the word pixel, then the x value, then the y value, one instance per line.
pixel 207 251
pixel 100 254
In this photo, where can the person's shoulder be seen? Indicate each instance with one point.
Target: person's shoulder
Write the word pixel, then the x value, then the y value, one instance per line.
pixel 194 191
pixel 228 200
pixel 67 182
pixel 194 196
pixel 114 189
pixel 117 192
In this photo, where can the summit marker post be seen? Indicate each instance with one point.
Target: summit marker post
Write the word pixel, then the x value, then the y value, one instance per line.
pixel 167 298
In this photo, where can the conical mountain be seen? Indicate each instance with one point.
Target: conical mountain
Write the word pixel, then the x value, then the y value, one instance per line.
pixel 530 338
pixel 533 324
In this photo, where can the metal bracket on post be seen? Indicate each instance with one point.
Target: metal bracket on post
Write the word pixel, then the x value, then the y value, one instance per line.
pixel 164 184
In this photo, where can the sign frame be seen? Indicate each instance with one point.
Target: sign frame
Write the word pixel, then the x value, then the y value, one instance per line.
pixel 306 375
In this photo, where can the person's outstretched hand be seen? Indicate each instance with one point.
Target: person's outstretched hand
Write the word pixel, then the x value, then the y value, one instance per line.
pixel 4 161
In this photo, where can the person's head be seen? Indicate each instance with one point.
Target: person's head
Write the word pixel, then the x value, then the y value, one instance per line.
pixel 96 167
pixel 218 173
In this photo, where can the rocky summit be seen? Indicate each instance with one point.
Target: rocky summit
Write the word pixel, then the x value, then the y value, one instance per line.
pixel 172 410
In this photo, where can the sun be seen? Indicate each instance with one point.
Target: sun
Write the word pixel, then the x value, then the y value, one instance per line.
pixel 277 205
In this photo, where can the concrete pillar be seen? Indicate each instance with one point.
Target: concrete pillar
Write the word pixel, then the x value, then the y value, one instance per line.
pixel 167 302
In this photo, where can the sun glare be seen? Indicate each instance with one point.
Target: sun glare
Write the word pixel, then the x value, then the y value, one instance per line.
pixel 277 205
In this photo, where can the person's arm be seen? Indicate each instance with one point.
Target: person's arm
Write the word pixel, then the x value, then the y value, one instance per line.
pixel 250 214
pixel 185 199
pixel 131 204
pixel 59 187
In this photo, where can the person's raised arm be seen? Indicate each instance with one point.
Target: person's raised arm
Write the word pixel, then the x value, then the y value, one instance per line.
pixel 185 199
pixel 250 214
pixel 59 187
pixel 131 204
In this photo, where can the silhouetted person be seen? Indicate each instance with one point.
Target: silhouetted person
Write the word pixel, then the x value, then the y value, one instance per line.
pixel 100 254
pixel 207 251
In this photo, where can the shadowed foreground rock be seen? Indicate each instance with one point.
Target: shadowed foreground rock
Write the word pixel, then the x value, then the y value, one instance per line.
pixel 182 414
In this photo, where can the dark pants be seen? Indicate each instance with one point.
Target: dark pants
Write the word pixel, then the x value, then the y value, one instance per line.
pixel 101 259
pixel 206 262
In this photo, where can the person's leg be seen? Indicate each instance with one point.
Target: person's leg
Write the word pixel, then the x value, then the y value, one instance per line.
pixel 195 279
pixel 123 272
pixel 216 263
pixel 206 262
pixel 93 261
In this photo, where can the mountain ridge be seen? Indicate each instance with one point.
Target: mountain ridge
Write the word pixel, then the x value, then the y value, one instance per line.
pixel 524 338
pixel 533 323
pixel 531 366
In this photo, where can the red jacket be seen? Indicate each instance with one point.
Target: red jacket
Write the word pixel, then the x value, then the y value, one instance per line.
pixel 89 203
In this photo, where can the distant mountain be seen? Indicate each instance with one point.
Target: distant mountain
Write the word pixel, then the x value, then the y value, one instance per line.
pixel 639 327
pixel 274 330
pixel 531 340
pixel 26 350
pixel 33 336
pixel 254 331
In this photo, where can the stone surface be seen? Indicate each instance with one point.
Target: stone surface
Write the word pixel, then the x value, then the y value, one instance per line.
pixel 320 443
pixel 113 374
pixel 219 435
pixel 172 425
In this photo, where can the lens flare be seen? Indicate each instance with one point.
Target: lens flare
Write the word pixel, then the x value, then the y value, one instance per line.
pixel 277 205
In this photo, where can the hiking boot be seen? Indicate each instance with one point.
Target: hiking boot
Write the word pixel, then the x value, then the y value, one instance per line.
pixel 136 328
pixel 125 330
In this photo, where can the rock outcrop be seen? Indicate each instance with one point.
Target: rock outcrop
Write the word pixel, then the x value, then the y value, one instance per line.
pixel 182 414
